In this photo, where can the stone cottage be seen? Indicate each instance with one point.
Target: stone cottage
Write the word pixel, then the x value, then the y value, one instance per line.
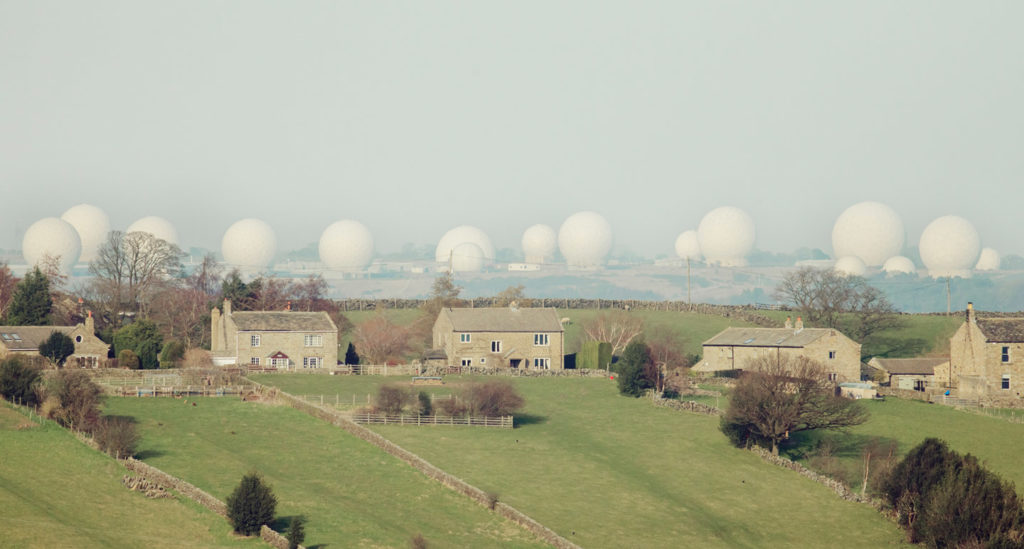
pixel 507 337
pixel 90 351
pixel 986 356
pixel 273 339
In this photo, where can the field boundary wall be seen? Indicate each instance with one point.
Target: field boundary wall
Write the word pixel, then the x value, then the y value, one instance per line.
pixel 450 481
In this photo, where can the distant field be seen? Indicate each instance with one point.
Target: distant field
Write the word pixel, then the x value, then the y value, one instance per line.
pixel 56 492
pixel 611 471
pixel 353 494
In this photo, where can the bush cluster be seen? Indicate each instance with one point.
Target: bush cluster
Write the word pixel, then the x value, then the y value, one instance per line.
pixel 488 398
pixel 944 499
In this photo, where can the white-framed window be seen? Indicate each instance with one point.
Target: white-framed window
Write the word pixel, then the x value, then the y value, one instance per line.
pixel 254 340
pixel 542 363
pixel 496 346
pixel 279 362
pixel 541 340
pixel 831 355
pixel 313 340
pixel 1006 381
pixel 466 361
pixel 483 360
pixel 1006 354
pixel 465 338
pixel 255 361
pixel 78 339
pixel 312 362
pixel 833 376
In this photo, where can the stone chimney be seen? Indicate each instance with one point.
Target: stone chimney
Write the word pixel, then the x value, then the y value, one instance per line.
pixel 215 327
pixel 789 322
pixel 90 324
pixel 227 306
pixel 970 312
pixel 288 307
pixel 799 324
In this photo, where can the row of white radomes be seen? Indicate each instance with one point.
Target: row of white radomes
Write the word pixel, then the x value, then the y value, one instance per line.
pixel 867 234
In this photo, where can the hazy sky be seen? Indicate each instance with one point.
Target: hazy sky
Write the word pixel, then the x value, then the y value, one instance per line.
pixel 414 117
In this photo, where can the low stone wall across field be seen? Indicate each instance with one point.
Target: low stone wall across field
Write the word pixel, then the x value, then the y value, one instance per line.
pixel 841 490
pixel 488 500
pixel 170 482
pixel 687 406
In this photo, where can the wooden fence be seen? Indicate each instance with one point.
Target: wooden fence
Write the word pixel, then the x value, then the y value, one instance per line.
pixel 165 391
pixel 504 422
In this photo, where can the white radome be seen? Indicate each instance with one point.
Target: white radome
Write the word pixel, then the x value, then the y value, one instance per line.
pixel 347 246
pixel 585 238
pixel 850 265
pixel 539 243
pixel 989 260
pixel 899 265
pixel 156 226
pixel 460 234
pixel 249 243
pixel 949 247
pixel 688 245
pixel 92 225
pixel 871 231
pixel 467 258
pixel 52 237
pixel 726 236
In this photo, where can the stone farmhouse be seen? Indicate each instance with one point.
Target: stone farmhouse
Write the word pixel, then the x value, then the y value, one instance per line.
pixel 511 337
pixel 273 339
pixel 90 351
pixel 732 348
pixel 987 357
pixel 912 374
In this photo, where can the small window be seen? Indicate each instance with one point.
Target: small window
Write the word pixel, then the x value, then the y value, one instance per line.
pixel 1006 381
pixel 483 360
pixel 1006 354
pixel 78 339
pixel 833 376
pixel 495 346
pixel 465 338
pixel 831 355
pixel 254 340
pixel 312 362
pixel 919 385
pixel 541 340
pixel 466 362
pixel 255 361
pixel 314 340
pixel 542 363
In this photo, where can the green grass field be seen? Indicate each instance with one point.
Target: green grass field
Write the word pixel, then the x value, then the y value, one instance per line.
pixel 998 443
pixel 353 494
pixel 56 492
pixel 611 471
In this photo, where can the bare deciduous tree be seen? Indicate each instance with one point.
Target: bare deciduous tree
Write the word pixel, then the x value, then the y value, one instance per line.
pixel 379 340
pixel 833 300
pixel 777 396
pixel 617 328
pixel 7 284
pixel 131 268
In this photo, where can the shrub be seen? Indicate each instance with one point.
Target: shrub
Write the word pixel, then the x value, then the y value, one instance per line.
pixel 251 505
pixel 128 359
pixel 79 400
pixel 116 435
pixel 426 407
pixel 197 358
pixel 144 339
pixel 637 371
pixel 296 532
pixel 351 356
pixel 172 353
pixel 451 407
pixel 18 381
pixel 392 399
pixel 493 398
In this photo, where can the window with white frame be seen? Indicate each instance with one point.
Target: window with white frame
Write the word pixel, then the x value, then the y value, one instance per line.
pixel 313 340
pixel 496 346
pixel 465 338
pixel 278 361
pixel 542 363
pixel 541 340
pixel 831 355
pixel 1006 354
pixel 312 362
pixel 254 340
pixel 483 360
pixel 466 361
pixel 833 376
pixel 255 361
pixel 1006 381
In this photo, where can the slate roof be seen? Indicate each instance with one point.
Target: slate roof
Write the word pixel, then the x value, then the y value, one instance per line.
pixel 283 321
pixel 28 338
pixel 504 320
pixel 766 337
pixel 910 366
pixel 1002 330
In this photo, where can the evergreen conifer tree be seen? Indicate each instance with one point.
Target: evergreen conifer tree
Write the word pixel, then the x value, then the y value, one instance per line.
pixel 251 505
pixel 31 302
pixel 351 356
